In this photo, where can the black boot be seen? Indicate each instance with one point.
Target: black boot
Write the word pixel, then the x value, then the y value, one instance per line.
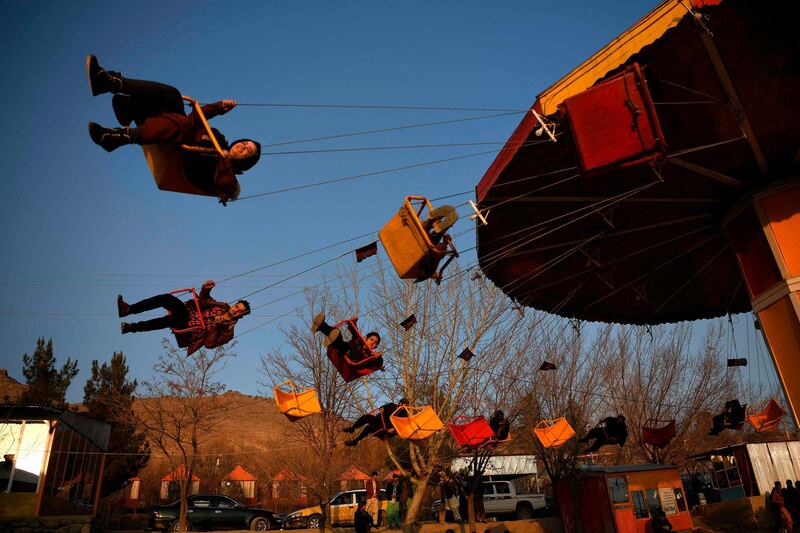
pixel 123 109
pixel 126 328
pixel 101 80
pixel 122 307
pixel 109 139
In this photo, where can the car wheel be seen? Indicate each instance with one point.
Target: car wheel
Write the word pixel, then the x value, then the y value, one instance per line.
pixel 524 512
pixel 176 526
pixel 313 522
pixel 260 523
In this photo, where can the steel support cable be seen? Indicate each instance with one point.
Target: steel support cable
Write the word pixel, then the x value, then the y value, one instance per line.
pixel 364 175
pixel 377 107
pixel 393 128
pixel 402 147
pixel 500 253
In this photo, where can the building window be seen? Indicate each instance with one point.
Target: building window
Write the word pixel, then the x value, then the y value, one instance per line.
pixel 653 502
pixel 680 499
pixel 639 504
pixel 619 489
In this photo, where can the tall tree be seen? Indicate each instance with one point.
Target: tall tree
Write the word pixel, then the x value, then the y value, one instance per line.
pixel 46 385
pixel 109 395
pixel 179 411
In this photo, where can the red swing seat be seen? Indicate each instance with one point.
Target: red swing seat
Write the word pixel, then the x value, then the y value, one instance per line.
pixel 766 416
pixel 656 436
pixel 614 123
pixel 346 366
pixel 471 431
pixel 197 320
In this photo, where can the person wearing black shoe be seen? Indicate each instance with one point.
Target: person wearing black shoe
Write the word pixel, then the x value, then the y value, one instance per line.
pixel 355 348
pixel 158 112
pixel 219 318
pixel 379 424
pixel 610 430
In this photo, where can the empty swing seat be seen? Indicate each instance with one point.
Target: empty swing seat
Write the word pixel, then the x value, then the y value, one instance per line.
pixel 349 368
pixel 554 433
pixel 659 436
pixel 296 404
pixel 418 424
pixel 614 123
pixel 471 431
pixel 768 417
pixel 409 246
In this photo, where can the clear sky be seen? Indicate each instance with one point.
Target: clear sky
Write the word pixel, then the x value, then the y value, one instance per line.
pixel 81 225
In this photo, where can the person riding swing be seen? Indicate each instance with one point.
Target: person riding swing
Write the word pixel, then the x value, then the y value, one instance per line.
pixel 158 112
pixel 377 424
pixel 201 322
pixel 610 430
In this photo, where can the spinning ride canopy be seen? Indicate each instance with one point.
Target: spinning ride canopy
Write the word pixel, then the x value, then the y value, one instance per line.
pixel 636 237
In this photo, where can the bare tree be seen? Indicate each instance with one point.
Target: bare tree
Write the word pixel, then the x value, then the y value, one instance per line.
pixel 305 363
pixel 423 365
pixel 178 410
pixel 659 377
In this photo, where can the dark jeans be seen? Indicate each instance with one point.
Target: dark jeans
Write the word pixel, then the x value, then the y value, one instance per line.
pixel 177 319
pixel 352 348
pixel 149 99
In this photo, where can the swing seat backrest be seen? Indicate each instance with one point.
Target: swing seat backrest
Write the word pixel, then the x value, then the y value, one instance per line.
pixel 407 243
pixel 166 161
pixel 766 416
pixel 166 164
pixel 419 424
pixel 344 363
pixel 659 436
pixel 471 431
pixel 294 403
pixel 197 319
pixel 554 433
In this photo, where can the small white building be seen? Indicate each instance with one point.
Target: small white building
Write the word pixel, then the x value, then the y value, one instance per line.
pixel 53 461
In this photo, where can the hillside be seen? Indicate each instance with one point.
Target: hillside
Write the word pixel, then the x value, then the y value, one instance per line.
pixel 10 388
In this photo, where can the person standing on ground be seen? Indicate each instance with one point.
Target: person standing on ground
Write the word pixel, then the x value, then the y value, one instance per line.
pixel 782 516
pixel 373 493
pixel 393 492
pixel 362 521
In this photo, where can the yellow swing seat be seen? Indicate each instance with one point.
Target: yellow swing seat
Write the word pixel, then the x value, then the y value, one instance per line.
pixel 294 403
pixel 419 423
pixel 766 416
pixel 554 433
pixel 409 246
pixel 166 161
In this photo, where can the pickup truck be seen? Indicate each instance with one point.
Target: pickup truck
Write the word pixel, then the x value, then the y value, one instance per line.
pixel 501 498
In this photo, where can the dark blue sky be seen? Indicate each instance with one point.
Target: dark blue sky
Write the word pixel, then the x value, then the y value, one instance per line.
pixel 81 225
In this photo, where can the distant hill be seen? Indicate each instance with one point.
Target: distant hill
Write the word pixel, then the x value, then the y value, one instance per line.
pixel 10 388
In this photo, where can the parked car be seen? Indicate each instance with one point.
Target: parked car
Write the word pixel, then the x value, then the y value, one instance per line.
pixel 500 498
pixel 342 509
pixel 213 512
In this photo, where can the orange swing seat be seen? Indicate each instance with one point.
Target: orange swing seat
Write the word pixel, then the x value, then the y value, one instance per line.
pixel 766 416
pixel 197 321
pixel 471 431
pixel 351 369
pixel 409 246
pixel 166 161
pixel 658 437
pixel 418 424
pixel 294 403
pixel 554 433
